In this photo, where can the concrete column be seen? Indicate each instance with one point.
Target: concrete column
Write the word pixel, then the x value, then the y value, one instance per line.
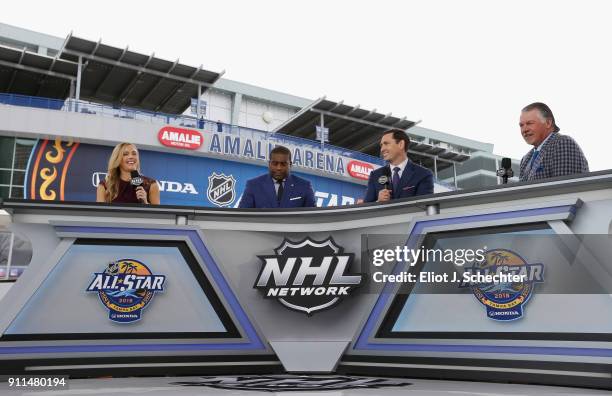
pixel 236 104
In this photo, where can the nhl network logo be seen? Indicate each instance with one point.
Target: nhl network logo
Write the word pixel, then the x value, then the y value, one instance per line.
pixel 308 276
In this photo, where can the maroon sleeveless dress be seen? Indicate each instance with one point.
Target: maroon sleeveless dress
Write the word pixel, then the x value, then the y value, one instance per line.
pixel 127 192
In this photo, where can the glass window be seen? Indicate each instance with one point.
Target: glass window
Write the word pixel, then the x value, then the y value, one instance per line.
pixel 6 151
pixel 18 178
pixel 17 192
pixel 4 191
pixel 5 177
pixel 23 149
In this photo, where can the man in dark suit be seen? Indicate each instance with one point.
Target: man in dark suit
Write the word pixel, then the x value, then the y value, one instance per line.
pixel 406 179
pixel 278 188
pixel 553 154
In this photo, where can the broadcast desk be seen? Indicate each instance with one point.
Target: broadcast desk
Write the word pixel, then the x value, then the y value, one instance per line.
pixel 134 290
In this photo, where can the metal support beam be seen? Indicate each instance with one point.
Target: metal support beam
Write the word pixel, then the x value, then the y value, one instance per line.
pixel 367 124
pixel 359 120
pixel 136 68
pixel 350 136
pixel 93 53
pixel 167 98
pixel 181 87
pixel 14 74
pixel 78 84
pixel 44 79
pixel 348 113
pixel 322 133
pixel 303 110
pixel 128 89
pixel 152 90
pixel 455 174
pixel 400 121
pixel 37 70
pixel 306 128
pixel 435 163
pixel 110 71
pixel 198 102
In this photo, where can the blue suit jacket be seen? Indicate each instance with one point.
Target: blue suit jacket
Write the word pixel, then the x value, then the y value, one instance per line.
pixel 415 180
pixel 260 193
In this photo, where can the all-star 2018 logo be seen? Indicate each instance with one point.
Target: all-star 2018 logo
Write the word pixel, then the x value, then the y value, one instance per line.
pixel 505 301
pixel 125 287
pixel 308 275
pixel 221 189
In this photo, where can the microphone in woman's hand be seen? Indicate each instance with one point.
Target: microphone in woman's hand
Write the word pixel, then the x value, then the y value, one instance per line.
pixel 136 181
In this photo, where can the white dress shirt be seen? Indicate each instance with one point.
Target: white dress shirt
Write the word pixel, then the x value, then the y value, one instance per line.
pixel 401 167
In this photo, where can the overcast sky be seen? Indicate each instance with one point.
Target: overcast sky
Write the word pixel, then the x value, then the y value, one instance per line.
pixel 463 67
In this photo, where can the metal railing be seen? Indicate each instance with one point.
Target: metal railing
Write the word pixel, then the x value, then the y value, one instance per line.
pixel 96 109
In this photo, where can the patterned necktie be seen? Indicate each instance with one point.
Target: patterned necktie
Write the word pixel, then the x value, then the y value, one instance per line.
pixel 396 180
pixel 279 192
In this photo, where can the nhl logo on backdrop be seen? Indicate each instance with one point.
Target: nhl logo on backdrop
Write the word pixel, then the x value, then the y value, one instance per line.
pixel 308 275
pixel 221 189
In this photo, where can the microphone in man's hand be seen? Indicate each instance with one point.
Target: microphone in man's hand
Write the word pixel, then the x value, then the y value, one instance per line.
pixel 506 170
pixel 136 181
pixel 385 178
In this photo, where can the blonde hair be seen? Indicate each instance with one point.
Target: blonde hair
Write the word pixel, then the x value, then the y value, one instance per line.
pixel 113 171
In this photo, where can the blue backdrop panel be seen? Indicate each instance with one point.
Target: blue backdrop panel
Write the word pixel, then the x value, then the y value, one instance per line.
pixel 71 173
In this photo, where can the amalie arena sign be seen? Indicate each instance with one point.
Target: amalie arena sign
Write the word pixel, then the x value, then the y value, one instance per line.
pixel 257 146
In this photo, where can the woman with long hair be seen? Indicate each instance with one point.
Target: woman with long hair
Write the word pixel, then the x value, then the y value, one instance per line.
pixel 117 187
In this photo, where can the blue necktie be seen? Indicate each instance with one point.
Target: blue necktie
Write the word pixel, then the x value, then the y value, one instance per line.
pixel 533 159
pixel 395 181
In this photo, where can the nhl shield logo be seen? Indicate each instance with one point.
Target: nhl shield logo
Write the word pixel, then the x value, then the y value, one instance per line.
pixel 308 276
pixel 221 189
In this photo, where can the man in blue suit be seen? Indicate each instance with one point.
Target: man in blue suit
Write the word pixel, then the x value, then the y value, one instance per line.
pixel 278 188
pixel 403 178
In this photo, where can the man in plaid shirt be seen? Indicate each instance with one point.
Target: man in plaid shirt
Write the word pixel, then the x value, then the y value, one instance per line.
pixel 553 154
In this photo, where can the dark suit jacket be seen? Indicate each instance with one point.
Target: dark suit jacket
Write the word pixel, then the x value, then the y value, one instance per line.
pixel 559 156
pixel 260 193
pixel 415 180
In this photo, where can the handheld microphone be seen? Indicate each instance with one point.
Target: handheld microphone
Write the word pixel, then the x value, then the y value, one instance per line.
pixel 136 181
pixel 506 170
pixel 385 178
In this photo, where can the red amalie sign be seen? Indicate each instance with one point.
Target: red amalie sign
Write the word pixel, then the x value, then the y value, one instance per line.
pixel 180 138
pixel 359 170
